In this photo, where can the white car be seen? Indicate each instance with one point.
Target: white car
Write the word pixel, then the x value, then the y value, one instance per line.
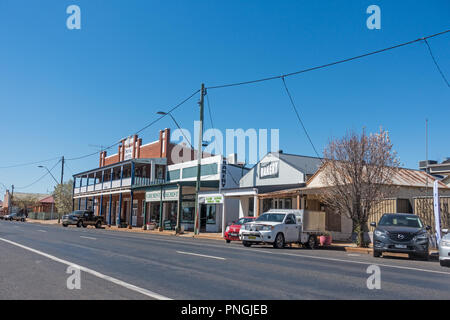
pixel 444 249
pixel 281 226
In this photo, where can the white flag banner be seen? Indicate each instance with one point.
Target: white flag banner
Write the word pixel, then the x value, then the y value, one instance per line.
pixel 437 211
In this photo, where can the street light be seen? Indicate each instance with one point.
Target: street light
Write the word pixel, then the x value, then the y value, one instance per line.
pixel 49 172
pixel 169 114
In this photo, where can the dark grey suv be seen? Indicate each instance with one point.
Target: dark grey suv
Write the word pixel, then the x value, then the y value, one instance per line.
pixel 402 233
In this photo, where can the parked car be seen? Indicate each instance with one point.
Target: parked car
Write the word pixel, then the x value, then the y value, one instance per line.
pixel 16 216
pixel 83 218
pixel 402 233
pixel 444 249
pixel 281 226
pixel 232 231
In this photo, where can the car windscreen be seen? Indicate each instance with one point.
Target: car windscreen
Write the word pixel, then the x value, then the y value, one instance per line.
pixel 272 217
pixel 77 213
pixel 243 220
pixel 400 221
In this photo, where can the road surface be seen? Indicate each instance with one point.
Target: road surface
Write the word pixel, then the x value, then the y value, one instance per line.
pixel 120 265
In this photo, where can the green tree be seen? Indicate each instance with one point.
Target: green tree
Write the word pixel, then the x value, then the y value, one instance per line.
pixel 63 197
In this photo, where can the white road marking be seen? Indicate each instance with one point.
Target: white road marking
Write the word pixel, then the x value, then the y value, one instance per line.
pixel 88 238
pixel 129 286
pixel 309 256
pixel 201 255
pixel 41 230
pixel 353 255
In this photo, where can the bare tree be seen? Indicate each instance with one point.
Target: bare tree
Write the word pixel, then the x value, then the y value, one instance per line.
pixel 357 171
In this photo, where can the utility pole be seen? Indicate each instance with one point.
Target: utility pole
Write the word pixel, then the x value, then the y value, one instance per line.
pixel 199 163
pixel 426 154
pixel 61 186
pixel 11 200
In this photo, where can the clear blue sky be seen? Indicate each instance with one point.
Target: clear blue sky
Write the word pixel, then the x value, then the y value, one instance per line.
pixel 61 90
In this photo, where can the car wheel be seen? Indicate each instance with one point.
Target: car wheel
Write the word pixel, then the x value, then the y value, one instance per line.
pixel 228 241
pixel 279 241
pixel 246 244
pixel 311 244
pixel 98 225
pixel 64 225
pixel 79 224
pixel 83 225
pixel 376 253
pixel 444 263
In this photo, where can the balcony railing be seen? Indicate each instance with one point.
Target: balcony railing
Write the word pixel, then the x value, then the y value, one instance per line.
pixel 126 182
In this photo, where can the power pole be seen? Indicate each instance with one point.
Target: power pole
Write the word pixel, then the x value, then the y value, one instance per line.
pixel 11 200
pixel 61 186
pixel 426 155
pixel 199 162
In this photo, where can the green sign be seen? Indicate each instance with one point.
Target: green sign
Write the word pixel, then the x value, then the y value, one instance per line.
pixel 213 200
pixel 168 195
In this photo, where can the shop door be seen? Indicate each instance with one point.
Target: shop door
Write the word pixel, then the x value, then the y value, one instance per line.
pixel 134 213
pixel 203 218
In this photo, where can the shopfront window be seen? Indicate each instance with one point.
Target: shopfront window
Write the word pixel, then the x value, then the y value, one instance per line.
pixel 188 212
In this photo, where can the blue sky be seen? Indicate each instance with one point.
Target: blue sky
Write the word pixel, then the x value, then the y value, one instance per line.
pixel 62 90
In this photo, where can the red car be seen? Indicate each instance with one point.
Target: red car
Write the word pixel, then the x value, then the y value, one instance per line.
pixel 232 231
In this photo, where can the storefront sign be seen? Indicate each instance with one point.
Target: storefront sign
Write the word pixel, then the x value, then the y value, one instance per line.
pixel 128 148
pixel 168 195
pixel 269 170
pixel 214 200
pixel 224 173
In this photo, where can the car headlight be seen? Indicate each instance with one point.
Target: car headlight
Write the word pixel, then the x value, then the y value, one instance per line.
pixel 445 243
pixel 267 228
pixel 228 228
pixel 379 233
pixel 421 236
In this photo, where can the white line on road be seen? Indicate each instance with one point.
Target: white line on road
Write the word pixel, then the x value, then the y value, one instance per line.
pixel 88 238
pixel 301 255
pixel 93 272
pixel 353 255
pixel 41 230
pixel 201 255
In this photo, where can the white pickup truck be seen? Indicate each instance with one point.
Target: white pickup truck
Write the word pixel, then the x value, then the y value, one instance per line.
pixel 282 226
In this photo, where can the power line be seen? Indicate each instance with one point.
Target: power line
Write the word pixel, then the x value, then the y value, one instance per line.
pixel 435 62
pixel 139 131
pixel 29 163
pixel 298 117
pixel 328 64
pixel 42 177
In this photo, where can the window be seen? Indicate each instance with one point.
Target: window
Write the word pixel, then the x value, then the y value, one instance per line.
pixel 290 219
pixel 173 175
pixel 211 214
pixel 187 212
pixel 206 170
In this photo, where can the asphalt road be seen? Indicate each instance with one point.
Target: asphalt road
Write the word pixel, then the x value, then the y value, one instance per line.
pixel 120 265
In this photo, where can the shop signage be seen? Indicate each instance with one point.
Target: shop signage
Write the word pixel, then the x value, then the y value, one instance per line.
pixel 269 169
pixel 128 148
pixel 168 195
pixel 224 173
pixel 214 200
